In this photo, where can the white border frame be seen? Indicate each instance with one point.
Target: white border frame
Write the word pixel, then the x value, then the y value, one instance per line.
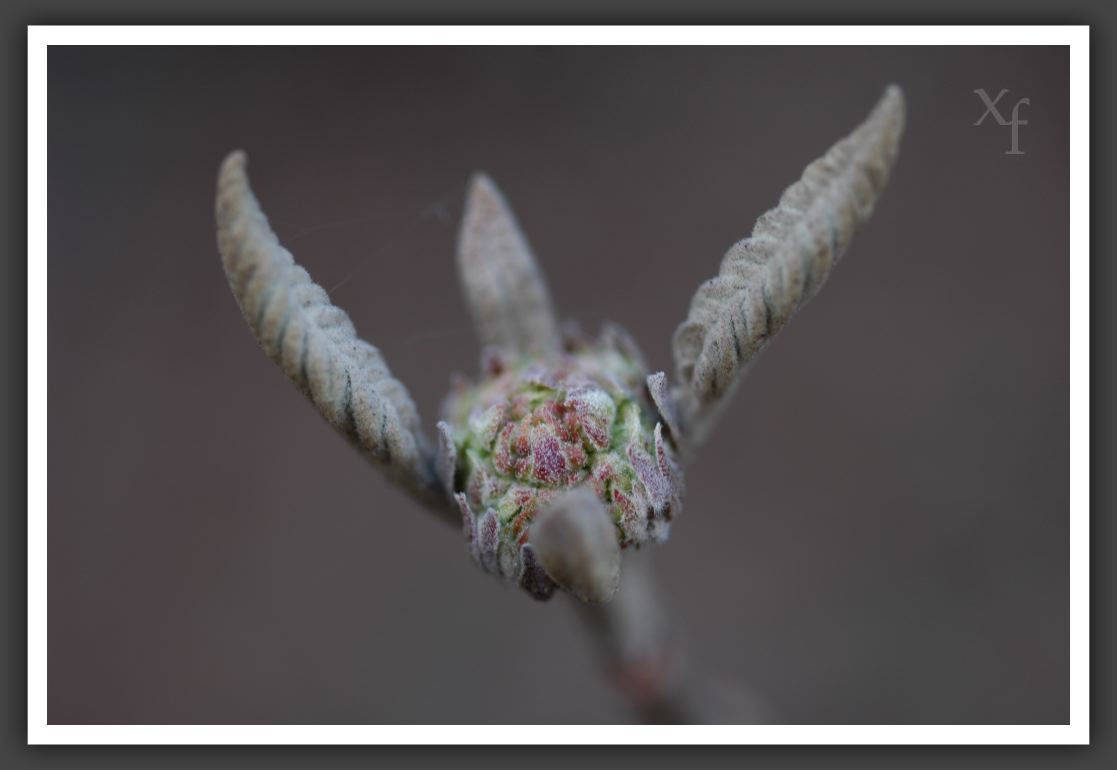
pixel 40 37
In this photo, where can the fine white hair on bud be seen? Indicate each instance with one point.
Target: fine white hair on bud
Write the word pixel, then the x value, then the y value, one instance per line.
pixel 533 429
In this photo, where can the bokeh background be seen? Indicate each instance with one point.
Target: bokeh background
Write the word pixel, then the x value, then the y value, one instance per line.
pixel 878 533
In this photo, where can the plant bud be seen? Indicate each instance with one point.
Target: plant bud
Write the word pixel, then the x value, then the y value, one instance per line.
pixel 530 429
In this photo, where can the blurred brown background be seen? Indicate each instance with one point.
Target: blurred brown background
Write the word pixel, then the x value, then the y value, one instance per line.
pixel 896 552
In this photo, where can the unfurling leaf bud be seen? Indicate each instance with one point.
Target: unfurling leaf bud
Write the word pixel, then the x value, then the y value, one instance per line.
pixel 532 428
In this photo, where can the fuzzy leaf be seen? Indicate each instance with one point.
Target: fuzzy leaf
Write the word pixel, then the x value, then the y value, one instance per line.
pixel 504 287
pixel 767 277
pixel 315 344
pixel 575 542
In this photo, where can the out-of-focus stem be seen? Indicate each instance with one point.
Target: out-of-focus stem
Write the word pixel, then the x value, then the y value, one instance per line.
pixel 642 660
pixel 631 635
